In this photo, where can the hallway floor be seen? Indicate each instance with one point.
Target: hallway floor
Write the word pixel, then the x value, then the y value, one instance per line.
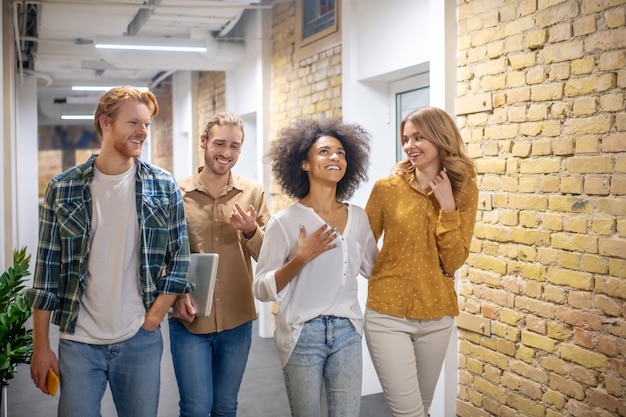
pixel 262 392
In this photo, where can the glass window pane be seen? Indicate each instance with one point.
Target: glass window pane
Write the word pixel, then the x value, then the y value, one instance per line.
pixel 405 103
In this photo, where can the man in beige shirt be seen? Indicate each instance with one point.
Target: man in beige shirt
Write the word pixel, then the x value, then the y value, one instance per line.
pixel 226 214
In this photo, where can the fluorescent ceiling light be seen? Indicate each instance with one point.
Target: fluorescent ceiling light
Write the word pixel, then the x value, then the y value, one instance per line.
pixel 101 87
pixel 151 44
pixel 77 117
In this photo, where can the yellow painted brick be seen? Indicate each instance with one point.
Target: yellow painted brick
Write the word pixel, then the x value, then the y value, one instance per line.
pixel 552 221
pixel 538 341
pixel 584 25
pixel 547 256
pixel 615 17
pixel 530 129
pixel 559 71
pixel 493 83
pixel 536 75
pixel 617 268
pixel 569 260
pixel 590 164
pixel 575 242
pixel 533 272
pixel 519 26
pixel 549 184
pixel 588 85
pixel 490 148
pixel 484 36
pixel 527 185
pixel 562 146
pixel 554 399
pixel 518 95
pixel 551 128
pixel 612 247
pixel 509 217
pixel 596 185
pixel 569 204
pixel 528 219
pixel 536 38
pixel 586 358
pixel 500 200
pixel 570 278
pixel 515 79
pixel 594 264
pixel 540 166
pixel 537 111
pixel 516 114
pixel 491 263
pixel 554 364
pixel 490 390
pixel 490 165
pixel 527 237
pixel 612 60
pixel 621 79
pixel 587 144
pixel 514 43
pixel 582 66
pixel 512 167
pixel 495 49
pixel 614 206
pixel 542 147
pixel 493 66
pixel 572 185
pixel 521 149
pixel 558 331
pixel 612 102
pixel 523 60
pixel 544 92
pixel 562 51
pixel 618 185
pixel 620 164
pixel 559 110
pixel 575 224
pixel 606 40
pixel 501 131
pixel 476 54
pixel 528 202
pixel 604 226
pixel 554 294
pixel 551 12
pixel 584 106
pixel 525 354
pixel 586 125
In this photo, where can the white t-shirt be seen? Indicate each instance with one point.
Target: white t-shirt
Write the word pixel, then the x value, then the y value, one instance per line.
pixel 327 285
pixel 111 308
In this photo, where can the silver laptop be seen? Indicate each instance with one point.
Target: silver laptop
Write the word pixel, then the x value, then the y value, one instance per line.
pixel 203 272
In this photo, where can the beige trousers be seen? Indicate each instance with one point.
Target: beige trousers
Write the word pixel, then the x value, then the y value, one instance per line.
pixel 408 356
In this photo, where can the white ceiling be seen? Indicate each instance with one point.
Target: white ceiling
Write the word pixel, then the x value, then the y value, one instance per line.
pixel 57 44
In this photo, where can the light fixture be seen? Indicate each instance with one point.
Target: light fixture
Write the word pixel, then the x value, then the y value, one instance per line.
pixel 151 44
pixel 101 87
pixel 77 116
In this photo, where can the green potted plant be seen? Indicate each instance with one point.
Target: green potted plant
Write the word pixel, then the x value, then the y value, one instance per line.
pixel 15 339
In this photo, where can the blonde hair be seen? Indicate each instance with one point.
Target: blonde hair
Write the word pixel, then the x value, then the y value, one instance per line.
pixel 224 118
pixel 111 101
pixel 440 129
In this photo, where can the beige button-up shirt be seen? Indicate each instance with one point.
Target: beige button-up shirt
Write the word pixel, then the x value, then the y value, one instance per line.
pixel 210 232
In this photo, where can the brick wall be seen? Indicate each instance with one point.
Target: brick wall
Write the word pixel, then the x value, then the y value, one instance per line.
pixel 162 132
pixel 211 99
pixel 541 95
pixel 310 87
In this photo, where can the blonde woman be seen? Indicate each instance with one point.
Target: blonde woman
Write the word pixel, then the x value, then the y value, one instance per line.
pixel 426 211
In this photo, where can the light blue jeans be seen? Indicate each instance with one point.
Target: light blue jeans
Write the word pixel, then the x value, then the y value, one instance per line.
pixel 329 352
pixel 132 368
pixel 209 368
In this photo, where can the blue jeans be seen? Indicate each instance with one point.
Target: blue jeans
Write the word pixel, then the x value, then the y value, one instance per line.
pixel 132 369
pixel 329 352
pixel 209 368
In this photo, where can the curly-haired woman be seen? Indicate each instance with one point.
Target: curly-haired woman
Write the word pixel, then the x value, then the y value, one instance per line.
pixel 311 257
pixel 425 210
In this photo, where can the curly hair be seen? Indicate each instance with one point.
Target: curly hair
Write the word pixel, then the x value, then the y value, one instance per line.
pixel 111 101
pixel 439 128
pixel 292 146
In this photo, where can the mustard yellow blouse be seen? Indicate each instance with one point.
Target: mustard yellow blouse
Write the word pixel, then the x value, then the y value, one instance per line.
pixel 422 248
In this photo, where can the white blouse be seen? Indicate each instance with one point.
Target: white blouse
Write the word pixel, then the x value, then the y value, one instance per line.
pixel 327 285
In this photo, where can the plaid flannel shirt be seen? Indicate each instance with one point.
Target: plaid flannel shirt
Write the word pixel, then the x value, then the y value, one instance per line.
pixel 65 241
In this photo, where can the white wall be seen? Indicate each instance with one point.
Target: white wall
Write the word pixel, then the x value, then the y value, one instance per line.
pixel 26 172
pixel 182 124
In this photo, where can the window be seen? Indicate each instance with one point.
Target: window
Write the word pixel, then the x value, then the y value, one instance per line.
pixel 407 95
pixel 317 26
